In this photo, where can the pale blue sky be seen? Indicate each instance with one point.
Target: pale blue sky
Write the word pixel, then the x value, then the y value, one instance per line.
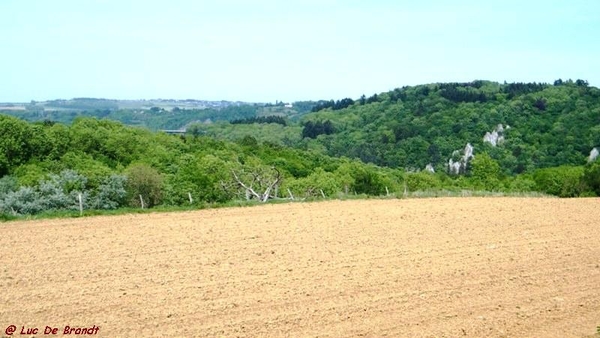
pixel 267 50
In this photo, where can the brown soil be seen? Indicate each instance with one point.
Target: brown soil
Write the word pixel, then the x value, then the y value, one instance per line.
pixel 446 267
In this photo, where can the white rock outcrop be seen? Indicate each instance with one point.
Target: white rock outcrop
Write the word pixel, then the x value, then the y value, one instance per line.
pixel 593 155
pixel 460 166
pixel 496 136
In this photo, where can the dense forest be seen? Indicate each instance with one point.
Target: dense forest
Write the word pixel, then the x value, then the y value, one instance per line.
pixel 522 126
pixel 453 137
pixel 528 126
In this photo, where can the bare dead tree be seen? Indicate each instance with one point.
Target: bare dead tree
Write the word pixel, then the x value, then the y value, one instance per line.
pixel 257 182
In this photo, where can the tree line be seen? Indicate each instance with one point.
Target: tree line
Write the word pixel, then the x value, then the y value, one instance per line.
pixel 261 119
pixel 45 167
pixel 377 144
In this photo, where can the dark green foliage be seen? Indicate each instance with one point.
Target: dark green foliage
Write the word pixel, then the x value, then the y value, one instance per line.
pixel 413 126
pixel 540 104
pixel 373 99
pixel 409 127
pixel 368 182
pixel 517 89
pixel 544 126
pixel 314 129
pixel 334 105
pixel 261 119
pixel 591 177
pixel 465 92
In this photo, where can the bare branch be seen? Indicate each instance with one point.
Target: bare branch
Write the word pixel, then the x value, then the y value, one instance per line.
pixel 248 189
pixel 261 180
pixel 277 180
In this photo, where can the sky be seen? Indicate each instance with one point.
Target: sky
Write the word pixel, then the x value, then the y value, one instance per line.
pixel 268 50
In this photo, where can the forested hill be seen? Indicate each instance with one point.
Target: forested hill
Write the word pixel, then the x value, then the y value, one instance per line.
pixel 102 164
pixel 528 125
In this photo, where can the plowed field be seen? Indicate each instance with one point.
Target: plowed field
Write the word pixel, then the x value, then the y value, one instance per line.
pixel 446 267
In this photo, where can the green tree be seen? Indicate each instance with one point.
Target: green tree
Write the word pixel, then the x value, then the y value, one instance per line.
pixel 95 171
pixel 591 177
pixel 485 172
pixel 204 178
pixel 30 174
pixel 145 181
pixel 564 181
pixel 16 145
pixel 422 181
pixel 312 185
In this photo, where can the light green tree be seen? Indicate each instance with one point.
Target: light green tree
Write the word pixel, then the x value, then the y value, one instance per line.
pixel 485 172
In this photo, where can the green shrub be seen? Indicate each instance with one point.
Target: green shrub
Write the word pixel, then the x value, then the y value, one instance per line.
pixel 145 181
pixel 8 184
pixel 521 183
pixel 25 201
pixel 422 181
pixel 312 185
pixel 485 172
pixel 564 181
pixel 111 193
pixel 591 177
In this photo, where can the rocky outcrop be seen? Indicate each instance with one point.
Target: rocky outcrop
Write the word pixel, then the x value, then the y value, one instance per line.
pixel 593 155
pixel 460 166
pixel 496 137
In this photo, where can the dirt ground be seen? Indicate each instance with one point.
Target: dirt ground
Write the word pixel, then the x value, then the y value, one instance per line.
pixel 445 267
